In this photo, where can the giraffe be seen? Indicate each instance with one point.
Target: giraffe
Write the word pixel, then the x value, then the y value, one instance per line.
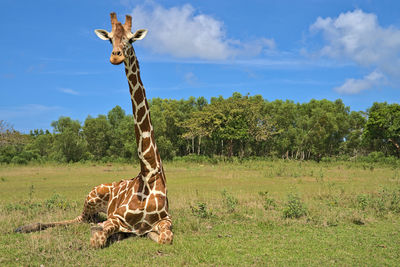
pixel 138 205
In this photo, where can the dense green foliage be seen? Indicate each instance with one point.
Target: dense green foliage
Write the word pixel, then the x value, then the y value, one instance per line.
pixel 239 126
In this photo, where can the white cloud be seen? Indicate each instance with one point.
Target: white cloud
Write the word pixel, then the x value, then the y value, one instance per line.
pixel 190 78
pixel 358 37
pixel 355 86
pixel 182 32
pixel 69 91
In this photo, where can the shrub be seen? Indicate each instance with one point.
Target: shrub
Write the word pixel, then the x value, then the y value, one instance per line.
pixel 268 203
pixel 294 207
pixel 395 201
pixel 56 201
pixel 201 210
pixel 229 201
pixel 376 156
pixel 19 160
pixel 363 201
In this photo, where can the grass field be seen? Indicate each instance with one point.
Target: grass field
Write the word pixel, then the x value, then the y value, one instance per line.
pixel 253 213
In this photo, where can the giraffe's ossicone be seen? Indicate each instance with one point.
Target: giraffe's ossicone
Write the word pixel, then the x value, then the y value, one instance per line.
pixel 138 205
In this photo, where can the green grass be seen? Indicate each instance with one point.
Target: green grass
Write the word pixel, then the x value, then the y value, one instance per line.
pixel 253 213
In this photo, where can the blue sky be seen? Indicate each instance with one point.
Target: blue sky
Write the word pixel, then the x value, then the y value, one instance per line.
pixel 52 63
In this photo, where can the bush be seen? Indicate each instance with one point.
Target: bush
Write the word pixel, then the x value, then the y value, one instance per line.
pixel 19 160
pixel 166 148
pixel 376 157
pixel 387 199
pixel 363 201
pixel 229 201
pixel 294 208
pixel 201 211
pixel 56 201
pixel 269 203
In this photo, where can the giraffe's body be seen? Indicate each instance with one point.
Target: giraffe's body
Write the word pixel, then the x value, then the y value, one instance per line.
pixel 137 205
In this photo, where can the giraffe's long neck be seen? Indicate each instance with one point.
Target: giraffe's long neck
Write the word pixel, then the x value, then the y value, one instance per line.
pixel 149 156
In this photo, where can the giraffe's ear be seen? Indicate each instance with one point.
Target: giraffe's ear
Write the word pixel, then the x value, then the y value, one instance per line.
pixel 102 34
pixel 138 35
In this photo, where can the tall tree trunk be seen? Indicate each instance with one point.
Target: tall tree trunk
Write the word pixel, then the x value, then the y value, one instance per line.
pixel 241 150
pixel 198 148
pixel 192 145
pixel 230 148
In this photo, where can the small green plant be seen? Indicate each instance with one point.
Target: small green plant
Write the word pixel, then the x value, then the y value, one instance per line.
pixel 332 201
pixel 379 203
pixel 280 171
pixel 386 200
pixel 396 176
pixel 201 211
pixel 295 174
pixel 294 207
pixel 320 177
pixel 363 201
pixel 395 200
pixel 371 168
pixel 268 202
pixel 230 201
pixel 25 206
pixel 56 201
pixel 31 192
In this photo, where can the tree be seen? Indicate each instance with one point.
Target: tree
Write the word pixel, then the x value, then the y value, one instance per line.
pixel 116 116
pixel 12 143
pixel 42 142
pixel 97 132
pixel 353 144
pixel 70 144
pixel 382 130
pixel 325 127
pixel 198 125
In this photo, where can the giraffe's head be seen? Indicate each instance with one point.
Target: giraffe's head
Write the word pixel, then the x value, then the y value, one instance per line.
pixel 120 37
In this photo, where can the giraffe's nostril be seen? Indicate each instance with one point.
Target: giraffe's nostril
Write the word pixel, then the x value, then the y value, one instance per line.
pixel 116 53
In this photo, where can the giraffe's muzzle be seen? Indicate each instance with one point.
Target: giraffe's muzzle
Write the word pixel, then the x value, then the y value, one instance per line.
pixel 117 57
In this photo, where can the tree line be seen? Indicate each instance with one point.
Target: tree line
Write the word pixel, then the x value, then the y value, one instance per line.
pixel 238 126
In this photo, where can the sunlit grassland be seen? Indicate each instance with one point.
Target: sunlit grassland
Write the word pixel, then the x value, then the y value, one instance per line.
pixel 225 214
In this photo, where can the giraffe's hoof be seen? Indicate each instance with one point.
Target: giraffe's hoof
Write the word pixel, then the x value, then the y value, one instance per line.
pixel 98 239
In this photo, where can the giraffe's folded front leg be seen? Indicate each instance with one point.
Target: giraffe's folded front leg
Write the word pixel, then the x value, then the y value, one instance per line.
pixel 162 233
pixel 101 232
